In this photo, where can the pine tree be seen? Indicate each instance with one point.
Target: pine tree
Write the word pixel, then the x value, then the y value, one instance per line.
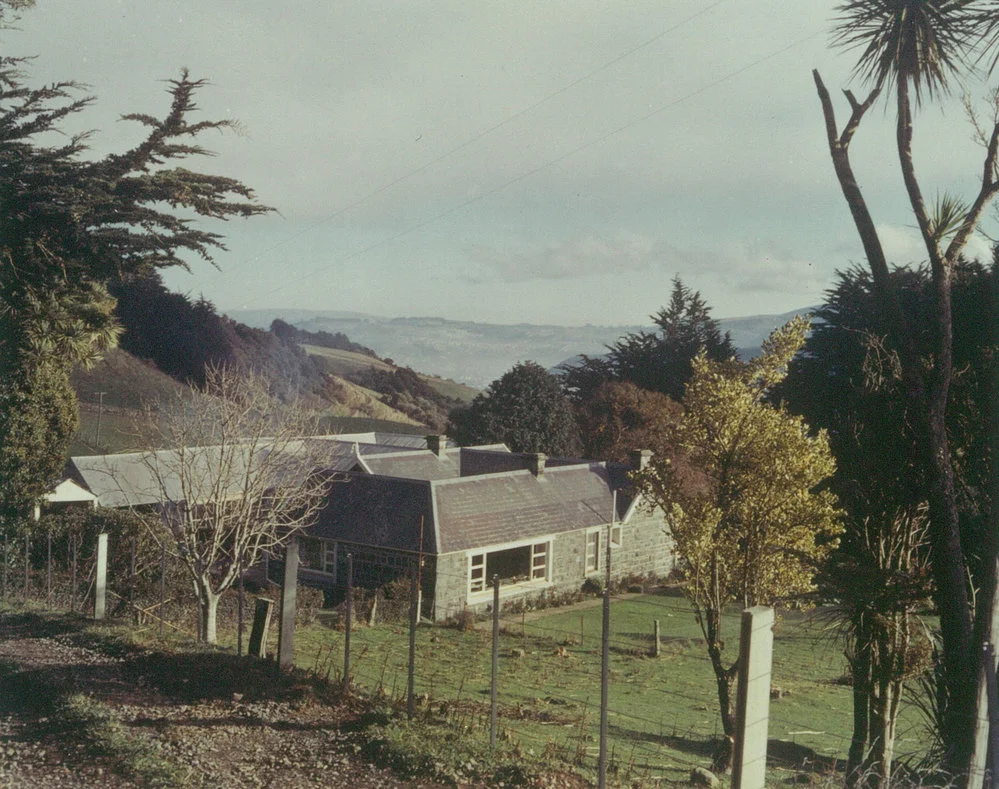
pixel 69 225
pixel 659 360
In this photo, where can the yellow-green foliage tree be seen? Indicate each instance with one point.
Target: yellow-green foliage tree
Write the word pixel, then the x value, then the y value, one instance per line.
pixel 743 499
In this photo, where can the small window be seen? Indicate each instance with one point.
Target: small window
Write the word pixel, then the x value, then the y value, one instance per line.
pixel 477 573
pixel 616 536
pixel 539 562
pixel 329 557
pixel 592 551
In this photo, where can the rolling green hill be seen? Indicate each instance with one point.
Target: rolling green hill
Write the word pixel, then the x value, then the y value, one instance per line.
pixel 346 363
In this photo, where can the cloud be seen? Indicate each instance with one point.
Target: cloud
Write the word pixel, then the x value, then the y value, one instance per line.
pixel 583 256
pixel 758 267
pixel 903 245
pixel 767 267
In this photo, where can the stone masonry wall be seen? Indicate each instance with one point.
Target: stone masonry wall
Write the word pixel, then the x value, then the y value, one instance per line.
pixel 645 548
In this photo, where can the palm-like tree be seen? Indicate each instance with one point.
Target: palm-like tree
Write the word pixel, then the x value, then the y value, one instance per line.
pixel 918 49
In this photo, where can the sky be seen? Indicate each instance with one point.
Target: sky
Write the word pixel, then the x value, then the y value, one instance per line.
pixel 510 162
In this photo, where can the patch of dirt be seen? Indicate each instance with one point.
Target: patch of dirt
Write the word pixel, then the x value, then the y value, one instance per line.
pixel 219 720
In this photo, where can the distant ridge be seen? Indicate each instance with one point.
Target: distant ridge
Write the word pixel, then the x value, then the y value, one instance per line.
pixel 479 353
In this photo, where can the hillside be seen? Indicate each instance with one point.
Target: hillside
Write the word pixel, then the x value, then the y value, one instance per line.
pixel 127 384
pixel 116 422
pixel 169 340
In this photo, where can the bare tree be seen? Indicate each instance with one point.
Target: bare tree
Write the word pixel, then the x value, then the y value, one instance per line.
pixel 243 473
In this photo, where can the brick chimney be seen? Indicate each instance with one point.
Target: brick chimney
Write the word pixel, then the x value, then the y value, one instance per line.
pixel 640 459
pixel 536 463
pixel 437 444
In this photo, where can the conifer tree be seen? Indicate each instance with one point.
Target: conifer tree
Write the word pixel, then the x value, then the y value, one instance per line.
pixel 69 225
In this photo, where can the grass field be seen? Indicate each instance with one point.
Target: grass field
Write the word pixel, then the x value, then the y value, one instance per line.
pixel 344 363
pixel 663 711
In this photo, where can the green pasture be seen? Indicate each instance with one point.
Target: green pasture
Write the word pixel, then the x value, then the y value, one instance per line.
pixel 663 711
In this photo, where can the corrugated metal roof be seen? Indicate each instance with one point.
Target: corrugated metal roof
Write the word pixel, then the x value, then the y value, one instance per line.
pixel 196 474
pixel 414 465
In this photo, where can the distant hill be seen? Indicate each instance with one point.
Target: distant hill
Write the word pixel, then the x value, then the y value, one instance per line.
pixel 479 353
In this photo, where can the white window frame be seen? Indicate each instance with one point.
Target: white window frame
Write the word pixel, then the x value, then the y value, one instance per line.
pixel 541 550
pixel 596 546
pixel 329 558
pixel 476 572
pixel 540 574
pixel 591 552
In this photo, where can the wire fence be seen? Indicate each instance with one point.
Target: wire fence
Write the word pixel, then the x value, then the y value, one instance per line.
pixel 663 712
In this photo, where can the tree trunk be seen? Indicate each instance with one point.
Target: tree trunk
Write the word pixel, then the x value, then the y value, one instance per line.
pixel 860 670
pixel 724 680
pixel 947 558
pixel 927 391
pixel 209 606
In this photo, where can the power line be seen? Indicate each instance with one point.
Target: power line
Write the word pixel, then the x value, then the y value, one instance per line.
pixel 531 172
pixel 487 131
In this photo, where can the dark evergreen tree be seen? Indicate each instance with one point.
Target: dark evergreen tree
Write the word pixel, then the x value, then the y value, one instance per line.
pixel 848 380
pixel 525 409
pixel 658 360
pixel 70 224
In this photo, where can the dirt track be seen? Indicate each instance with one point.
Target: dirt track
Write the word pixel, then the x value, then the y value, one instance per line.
pixel 211 720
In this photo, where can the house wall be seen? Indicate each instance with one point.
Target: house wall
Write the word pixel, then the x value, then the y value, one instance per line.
pixel 645 548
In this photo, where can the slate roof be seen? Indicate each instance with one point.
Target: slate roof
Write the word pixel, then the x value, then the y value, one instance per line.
pixel 463 513
pixel 380 511
pixel 513 506
pixel 495 458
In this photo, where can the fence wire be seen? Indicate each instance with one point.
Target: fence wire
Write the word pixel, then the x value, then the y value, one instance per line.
pixel 549 666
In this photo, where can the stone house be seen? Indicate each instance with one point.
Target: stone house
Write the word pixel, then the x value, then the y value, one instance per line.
pixel 466 515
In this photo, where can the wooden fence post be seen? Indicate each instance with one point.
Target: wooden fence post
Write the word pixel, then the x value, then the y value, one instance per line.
pixel 413 620
pixel 27 565
pixel 163 569
pixel 72 575
pixel 494 685
pixel 48 568
pixel 240 600
pixel 261 625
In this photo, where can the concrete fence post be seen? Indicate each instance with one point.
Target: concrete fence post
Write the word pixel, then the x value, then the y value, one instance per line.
pixel 286 634
pixel 992 693
pixel 101 577
pixel 753 698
